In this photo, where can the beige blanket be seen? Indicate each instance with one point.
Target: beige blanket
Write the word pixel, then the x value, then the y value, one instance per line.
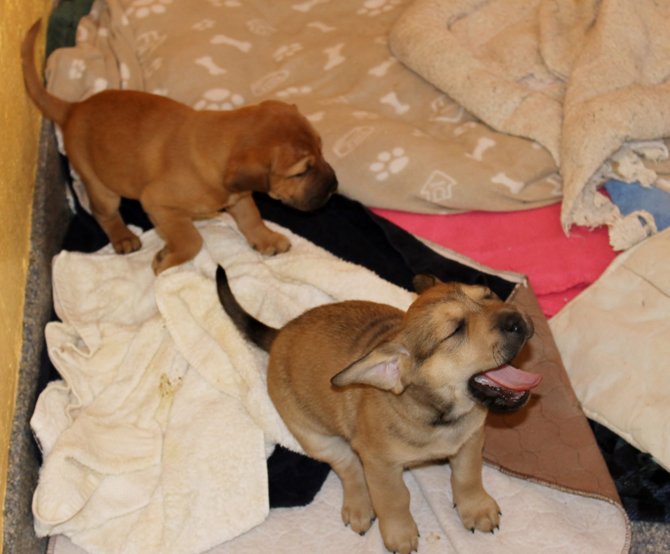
pixel 394 140
pixel 585 79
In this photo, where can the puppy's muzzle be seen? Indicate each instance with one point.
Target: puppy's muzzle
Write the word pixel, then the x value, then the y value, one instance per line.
pixel 515 326
pixel 506 388
pixel 318 192
pixel 515 329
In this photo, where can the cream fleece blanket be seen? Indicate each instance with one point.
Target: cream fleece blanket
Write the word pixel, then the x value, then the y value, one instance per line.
pixel 155 439
pixel 588 80
pixel 614 339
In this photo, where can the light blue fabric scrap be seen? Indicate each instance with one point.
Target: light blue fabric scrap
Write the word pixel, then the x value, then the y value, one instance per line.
pixel 630 197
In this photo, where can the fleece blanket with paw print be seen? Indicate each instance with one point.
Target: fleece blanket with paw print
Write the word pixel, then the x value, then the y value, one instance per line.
pixel 394 139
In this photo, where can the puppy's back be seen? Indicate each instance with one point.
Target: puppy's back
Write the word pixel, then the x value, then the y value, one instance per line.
pixel 311 349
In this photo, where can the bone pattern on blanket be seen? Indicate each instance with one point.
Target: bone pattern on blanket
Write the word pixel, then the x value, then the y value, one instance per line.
pixel 581 79
pixel 195 395
pixel 393 139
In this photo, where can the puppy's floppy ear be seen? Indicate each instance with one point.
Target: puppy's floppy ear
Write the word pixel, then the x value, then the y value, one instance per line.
pixel 247 171
pixel 423 281
pixel 382 368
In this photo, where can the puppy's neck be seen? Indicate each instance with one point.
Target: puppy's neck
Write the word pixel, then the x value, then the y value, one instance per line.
pixel 436 408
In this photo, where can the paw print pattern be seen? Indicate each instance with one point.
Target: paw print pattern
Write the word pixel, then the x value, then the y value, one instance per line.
pixel 77 68
pixel 286 51
pixel 294 91
pixel 373 8
pixel 204 24
pixel 145 8
pixel 219 99
pixel 389 163
pixel 261 27
pixel 146 43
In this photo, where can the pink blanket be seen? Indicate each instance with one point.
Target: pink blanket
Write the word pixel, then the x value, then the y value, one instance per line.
pixel 529 242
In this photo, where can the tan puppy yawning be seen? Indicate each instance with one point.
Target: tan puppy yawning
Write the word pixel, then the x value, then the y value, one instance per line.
pixel 372 390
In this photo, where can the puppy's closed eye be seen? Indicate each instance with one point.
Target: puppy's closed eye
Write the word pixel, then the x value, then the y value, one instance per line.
pixel 458 330
pixel 299 167
pixel 308 169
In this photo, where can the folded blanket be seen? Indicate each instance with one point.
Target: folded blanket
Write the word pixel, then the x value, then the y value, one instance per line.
pixel 583 79
pixel 156 437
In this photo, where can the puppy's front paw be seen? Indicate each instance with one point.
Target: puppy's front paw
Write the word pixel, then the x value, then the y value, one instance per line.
pixel 479 512
pixel 127 243
pixel 357 511
pixel 400 534
pixel 271 243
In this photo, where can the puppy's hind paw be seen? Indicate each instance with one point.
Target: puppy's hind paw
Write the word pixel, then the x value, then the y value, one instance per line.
pixel 164 259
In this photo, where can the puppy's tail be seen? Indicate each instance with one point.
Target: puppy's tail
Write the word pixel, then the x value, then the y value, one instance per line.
pixel 53 108
pixel 257 332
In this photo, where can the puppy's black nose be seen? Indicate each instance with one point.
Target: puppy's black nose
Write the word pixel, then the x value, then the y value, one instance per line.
pixel 332 181
pixel 513 323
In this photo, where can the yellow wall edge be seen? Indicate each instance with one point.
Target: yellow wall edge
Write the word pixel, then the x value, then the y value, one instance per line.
pixel 20 123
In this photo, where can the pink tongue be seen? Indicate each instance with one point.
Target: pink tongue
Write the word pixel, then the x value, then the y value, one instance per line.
pixel 514 379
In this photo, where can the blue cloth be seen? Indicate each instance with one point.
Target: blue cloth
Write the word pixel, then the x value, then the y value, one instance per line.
pixel 629 197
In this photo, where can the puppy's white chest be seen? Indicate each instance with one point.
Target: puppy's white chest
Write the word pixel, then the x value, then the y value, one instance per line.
pixel 445 439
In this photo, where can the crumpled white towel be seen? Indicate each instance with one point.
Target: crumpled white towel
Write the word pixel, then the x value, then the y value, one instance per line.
pixel 156 437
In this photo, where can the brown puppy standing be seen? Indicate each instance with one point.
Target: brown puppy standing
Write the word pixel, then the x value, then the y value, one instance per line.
pixel 183 164
pixel 372 390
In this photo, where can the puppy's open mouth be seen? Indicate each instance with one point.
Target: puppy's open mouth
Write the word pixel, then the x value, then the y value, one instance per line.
pixel 503 389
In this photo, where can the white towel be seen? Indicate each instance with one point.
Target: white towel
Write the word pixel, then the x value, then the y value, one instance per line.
pixel 156 438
